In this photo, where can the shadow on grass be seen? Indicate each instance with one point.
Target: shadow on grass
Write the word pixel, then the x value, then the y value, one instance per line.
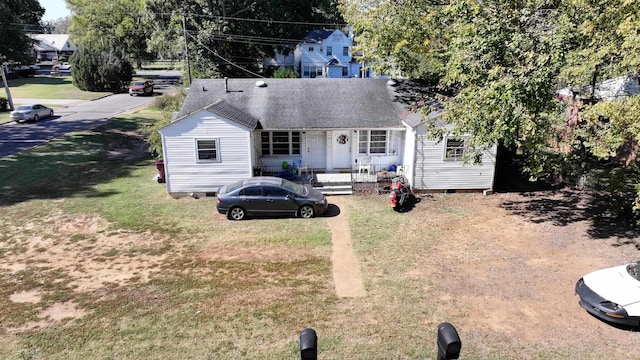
pixel 73 165
pixel 561 205
pixel 567 206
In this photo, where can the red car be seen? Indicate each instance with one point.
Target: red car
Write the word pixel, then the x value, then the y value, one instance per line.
pixel 141 88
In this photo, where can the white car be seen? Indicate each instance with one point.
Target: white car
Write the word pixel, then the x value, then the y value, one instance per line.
pixel 62 66
pixel 33 112
pixel 612 294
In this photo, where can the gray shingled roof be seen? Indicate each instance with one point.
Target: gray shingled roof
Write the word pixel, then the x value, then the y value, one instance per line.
pixel 228 111
pixel 318 35
pixel 306 103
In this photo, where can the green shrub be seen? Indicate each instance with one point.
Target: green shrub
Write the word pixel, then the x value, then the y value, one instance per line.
pixel 98 70
pixel 170 102
pixel 4 104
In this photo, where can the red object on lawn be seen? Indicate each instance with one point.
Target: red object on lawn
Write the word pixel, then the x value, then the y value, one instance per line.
pixel 160 167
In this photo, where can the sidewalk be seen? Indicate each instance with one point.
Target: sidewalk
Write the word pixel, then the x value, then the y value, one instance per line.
pixel 50 102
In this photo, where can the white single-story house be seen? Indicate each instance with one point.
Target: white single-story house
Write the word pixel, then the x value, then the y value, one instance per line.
pixel 228 128
pixel 49 48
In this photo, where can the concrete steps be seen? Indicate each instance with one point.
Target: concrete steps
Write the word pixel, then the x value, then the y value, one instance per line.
pixel 338 189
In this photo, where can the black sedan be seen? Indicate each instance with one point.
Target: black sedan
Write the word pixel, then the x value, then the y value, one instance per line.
pixel 270 196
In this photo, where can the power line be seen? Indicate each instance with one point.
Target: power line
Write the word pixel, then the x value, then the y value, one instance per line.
pixel 215 53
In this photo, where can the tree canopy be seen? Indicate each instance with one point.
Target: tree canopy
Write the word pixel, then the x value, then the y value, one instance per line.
pixel 231 38
pixel 112 25
pixel 17 19
pixel 504 62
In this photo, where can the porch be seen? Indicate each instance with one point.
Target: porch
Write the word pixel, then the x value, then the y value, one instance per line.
pixel 339 181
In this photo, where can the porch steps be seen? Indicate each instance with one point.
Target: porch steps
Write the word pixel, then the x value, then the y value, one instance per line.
pixel 333 183
pixel 335 189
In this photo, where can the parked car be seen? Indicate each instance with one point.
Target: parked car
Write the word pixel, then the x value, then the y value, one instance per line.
pixel 33 112
pixel 141 88
pixel 612 294
pixel 270 196
pixel 62 66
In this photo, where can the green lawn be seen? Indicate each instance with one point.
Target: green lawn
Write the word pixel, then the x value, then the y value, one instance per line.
pixel 46 87
pixel 50 87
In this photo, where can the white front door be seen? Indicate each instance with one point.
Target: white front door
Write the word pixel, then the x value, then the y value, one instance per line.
pixel 341 141
pixel 315 152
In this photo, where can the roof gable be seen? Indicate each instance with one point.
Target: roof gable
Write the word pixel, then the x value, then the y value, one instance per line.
pixel 59 42
pixel 229 112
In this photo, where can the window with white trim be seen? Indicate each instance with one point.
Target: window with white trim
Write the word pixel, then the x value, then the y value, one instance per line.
pixel 280 143
pixel 312 71
pixel 454 149
pixel 373 142
pixel 329 50
pixel 345 51
pixel 207 149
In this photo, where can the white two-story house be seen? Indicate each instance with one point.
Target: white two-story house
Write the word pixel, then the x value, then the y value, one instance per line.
pixel 323 54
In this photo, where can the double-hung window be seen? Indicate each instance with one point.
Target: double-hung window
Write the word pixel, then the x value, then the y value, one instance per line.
pixel 311 71
pixel 345 51
pixel 284 143
pixel 454 149
pixel 329 50
pixel 208 149
pixel 372 142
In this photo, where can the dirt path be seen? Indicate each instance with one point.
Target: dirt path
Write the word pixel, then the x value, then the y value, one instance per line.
pixel 346 270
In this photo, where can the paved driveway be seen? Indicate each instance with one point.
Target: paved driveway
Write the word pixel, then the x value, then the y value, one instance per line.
pixel 77 116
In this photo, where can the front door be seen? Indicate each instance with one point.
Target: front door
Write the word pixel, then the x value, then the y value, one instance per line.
pixel 315 149
pixel 341 149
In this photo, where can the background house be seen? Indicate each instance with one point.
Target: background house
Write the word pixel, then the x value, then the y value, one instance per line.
pixel 51 48
pixel 323 54
pixel 227 129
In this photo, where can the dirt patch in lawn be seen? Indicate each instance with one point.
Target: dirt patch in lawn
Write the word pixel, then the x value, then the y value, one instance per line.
pixel 77 253
pixel 502 270
pixel 508 268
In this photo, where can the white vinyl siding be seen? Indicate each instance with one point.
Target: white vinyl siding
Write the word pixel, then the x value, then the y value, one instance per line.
pixel 185 173
pixel 432 171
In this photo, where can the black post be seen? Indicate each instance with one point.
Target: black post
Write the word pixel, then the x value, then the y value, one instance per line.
pixel 449 343
pixel 308 344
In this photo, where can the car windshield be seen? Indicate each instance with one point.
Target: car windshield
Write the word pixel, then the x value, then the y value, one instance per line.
pixel 138 83
pixel 235 186
pixel 634 270
pixel 293 187
pixel 23 107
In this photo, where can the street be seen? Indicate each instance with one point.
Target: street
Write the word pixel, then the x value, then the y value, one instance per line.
pixel 79 117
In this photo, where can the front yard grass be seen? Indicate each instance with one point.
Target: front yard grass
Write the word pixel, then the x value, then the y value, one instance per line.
pixel 49 87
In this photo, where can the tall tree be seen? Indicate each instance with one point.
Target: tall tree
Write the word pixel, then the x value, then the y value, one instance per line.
pixel 57 26
pixel 112 25
pixel 394 36
pixel 231 37
pixel 17 19
pixel 504 60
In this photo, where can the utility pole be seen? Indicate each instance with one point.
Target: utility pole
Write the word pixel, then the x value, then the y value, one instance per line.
pixel 6 87
pixel 186 46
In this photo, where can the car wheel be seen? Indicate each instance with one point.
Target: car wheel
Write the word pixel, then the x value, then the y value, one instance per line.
pixel 237 213
pixel 36 118
pixel 306 212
